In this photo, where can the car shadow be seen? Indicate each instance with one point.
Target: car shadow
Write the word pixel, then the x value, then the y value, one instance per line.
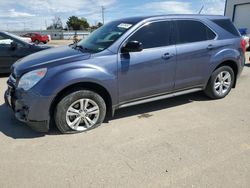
pixel 144 110
pixel 4 75
pixel 10 127
pixel 247 65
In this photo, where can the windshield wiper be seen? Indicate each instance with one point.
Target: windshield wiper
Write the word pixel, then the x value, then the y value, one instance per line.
pixel 81 48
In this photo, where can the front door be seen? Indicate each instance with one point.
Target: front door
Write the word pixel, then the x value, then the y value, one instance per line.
pixel 10 51
pixel 152 70
pixel 6 58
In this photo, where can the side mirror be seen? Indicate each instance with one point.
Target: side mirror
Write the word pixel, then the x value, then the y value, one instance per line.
pixel 132 46
pixel 13 45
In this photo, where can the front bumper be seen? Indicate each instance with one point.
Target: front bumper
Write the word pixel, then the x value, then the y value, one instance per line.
pixel 29 108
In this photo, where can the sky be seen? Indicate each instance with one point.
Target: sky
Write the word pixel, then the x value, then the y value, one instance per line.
pixel 36 14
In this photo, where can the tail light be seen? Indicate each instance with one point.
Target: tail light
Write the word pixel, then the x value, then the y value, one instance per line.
pixel 243 43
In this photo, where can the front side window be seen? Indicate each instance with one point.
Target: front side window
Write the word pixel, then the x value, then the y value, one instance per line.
pixel 152 35
pixel 5 41
pixel 193 31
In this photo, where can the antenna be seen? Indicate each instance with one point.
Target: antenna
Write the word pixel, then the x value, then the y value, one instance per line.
pixel 201 9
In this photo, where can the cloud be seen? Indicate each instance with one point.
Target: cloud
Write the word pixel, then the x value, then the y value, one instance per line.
pixel 214 7
pixel 183 7
pixel 34 13
pixel 168 7
pixel 12 13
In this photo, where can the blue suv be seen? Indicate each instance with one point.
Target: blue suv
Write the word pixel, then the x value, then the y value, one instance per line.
pixel 125 62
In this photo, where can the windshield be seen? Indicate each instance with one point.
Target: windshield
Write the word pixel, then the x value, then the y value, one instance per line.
pixel 105 36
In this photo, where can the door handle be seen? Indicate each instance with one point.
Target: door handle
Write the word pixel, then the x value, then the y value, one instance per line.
pixel 210 47
pixel 167 56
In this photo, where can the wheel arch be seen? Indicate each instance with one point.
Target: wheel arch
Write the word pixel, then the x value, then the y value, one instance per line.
pixel 102 91
pixel 232 64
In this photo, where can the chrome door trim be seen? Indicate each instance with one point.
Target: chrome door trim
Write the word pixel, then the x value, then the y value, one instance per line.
pixel 159 97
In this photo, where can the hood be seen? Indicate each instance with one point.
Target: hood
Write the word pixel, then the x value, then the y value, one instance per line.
pixel 43 47
pixel 48 58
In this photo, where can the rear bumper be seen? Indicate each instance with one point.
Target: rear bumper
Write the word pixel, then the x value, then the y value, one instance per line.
pixel 29 108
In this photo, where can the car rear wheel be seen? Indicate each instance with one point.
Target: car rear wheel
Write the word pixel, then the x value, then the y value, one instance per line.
pixel 220 83
pixel 80 111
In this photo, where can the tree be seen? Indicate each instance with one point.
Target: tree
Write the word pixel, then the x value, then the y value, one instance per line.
pixel 99 24
pixel 56 23
pixel 94 27
pixel 76 23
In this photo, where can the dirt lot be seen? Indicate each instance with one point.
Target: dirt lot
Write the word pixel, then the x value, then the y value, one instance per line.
pixel 187 141
pixel 60 42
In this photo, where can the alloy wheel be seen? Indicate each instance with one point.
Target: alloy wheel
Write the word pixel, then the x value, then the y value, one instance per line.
pixel 82 114
pixel 222 83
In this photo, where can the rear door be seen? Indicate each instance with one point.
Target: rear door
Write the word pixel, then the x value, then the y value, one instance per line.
pixel 195 44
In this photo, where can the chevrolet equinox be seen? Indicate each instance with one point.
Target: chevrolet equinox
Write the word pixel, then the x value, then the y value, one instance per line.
pixel 125 62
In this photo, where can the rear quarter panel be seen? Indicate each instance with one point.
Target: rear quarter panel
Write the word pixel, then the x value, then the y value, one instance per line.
pixel 226 50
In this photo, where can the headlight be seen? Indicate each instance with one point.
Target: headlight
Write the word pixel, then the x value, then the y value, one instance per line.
pixel 30 79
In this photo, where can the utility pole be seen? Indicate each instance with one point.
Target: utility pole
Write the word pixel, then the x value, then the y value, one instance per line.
pixel 103 14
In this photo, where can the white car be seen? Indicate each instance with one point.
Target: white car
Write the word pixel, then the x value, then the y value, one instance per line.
pixel 26 39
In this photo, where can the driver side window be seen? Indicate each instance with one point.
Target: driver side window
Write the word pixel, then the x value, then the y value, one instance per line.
pixel 5 41
pixel 153 35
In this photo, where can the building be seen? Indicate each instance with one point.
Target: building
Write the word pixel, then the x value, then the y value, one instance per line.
pixel 239 12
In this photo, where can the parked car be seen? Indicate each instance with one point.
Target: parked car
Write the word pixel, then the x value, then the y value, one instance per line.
pixel 12 48
pixel 247 39
pixel 153 58
pixel 25 39
pixel 38 38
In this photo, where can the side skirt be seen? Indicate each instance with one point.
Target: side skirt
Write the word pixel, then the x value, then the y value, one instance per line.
pixel 158 97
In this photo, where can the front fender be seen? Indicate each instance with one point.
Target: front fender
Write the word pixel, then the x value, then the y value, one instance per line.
pixel 57 80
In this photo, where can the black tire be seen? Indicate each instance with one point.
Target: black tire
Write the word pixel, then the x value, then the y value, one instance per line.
pixel 45 42
pixel 69 99
pixel 36 41
pixel 210 90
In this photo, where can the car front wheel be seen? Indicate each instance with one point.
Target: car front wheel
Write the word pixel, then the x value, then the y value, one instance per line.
pixel 80 111
pixel 220 83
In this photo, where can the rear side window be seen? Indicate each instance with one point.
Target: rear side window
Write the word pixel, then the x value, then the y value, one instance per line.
pixel 152 35
pixel 227 25
pixel 193 31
